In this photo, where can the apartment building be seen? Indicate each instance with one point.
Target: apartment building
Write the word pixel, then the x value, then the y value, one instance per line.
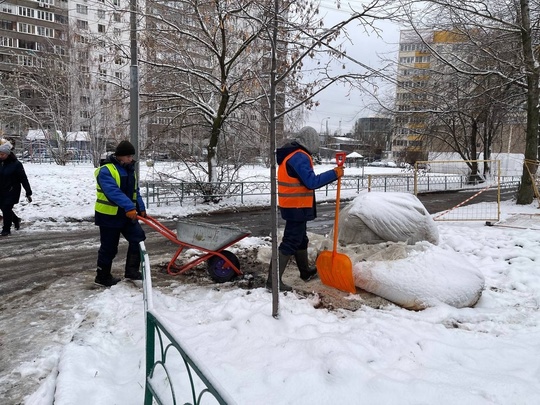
pixel 430 96
pixel 27 29
pixel 82 48
pixel 414 60
pixel 63 67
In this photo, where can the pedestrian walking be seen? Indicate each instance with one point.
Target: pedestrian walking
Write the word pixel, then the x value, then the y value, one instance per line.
pixel 12 179
pixel 296 200
pixel 117 205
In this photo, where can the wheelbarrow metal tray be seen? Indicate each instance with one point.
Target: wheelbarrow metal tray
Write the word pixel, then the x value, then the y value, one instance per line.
pixel 208 236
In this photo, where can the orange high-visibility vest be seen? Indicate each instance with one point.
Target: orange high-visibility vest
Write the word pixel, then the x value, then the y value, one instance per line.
pixel 291 192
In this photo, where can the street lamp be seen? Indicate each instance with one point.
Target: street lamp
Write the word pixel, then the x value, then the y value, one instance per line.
pixel 320 132
pixel 322 138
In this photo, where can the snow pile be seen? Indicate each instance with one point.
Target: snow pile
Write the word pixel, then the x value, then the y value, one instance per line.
pixel 380 217
pixel 390 239
pixel 427 277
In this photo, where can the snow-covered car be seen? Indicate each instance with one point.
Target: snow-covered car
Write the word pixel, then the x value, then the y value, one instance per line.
pixel 376 163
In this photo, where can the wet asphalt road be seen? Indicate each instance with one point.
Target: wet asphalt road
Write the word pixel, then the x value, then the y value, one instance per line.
pixel 259 221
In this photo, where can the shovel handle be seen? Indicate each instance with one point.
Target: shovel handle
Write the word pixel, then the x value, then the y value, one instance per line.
pixel 340 160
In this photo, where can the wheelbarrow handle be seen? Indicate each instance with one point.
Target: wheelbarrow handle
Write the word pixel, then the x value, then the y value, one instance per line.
pixel 159 227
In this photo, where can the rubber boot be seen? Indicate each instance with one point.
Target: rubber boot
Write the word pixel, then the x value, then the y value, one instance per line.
pixel 282 263
pixel 133 265
pixel 104 276
pixel 306 272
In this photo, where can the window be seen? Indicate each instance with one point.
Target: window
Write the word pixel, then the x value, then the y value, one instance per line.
pixel 6 25
pixel 422 59
pixel 6 41
pixel 26 12
pixel 406 59
pixel 101 28
pixel 81 39
pixel 413 47
pixel 44 15
pixel 26 28
pixel 45 32
pixel 118 75
pixel 84 114
pixel 82 24
pixel 117 17
pixel 82 9
pixel 24 60
pixel 101 13
pixel 85 100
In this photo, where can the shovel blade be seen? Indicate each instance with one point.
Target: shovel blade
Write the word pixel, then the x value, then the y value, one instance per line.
pixel 335 270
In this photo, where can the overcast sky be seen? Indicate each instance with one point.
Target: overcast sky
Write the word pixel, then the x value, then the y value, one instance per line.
pixel 338 107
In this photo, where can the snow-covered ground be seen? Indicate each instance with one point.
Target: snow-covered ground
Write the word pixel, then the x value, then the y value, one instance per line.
pixel 488 354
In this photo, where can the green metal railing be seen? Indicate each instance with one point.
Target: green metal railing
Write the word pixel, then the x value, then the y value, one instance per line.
pixel 172 374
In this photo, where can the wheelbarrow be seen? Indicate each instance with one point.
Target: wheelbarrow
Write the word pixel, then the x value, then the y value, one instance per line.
pixel 212 240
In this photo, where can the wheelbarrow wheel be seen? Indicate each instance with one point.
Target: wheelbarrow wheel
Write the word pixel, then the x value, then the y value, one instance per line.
pixel 219 270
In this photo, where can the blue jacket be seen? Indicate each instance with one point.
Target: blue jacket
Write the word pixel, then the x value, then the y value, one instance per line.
pixel 121 196
pixel 299 166
pixel 12 176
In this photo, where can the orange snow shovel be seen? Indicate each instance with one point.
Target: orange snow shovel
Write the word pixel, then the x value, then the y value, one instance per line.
pixel 335 269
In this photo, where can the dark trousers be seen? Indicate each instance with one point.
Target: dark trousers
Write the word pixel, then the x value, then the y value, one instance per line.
pixel 9 215
pixel 110 237
pixel 294 237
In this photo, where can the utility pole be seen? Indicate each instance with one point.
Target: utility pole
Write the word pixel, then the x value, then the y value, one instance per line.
pixel 134 81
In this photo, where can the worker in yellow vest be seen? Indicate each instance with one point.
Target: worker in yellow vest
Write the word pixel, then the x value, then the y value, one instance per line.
pixel 296 200
pixel 117 205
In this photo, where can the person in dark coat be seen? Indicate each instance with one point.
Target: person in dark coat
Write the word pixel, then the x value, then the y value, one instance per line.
pixel 117 205
pixel 12 177
pixel 296 199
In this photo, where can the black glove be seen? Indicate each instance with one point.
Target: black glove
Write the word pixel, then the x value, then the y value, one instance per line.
pixel 28 198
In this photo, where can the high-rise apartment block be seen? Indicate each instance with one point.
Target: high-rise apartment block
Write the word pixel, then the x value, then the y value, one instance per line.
pixel 64 66
pixel 414 60
pixel 436 101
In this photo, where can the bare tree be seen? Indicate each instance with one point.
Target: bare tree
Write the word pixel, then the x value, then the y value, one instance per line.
pixel 511 54
pixel 208 64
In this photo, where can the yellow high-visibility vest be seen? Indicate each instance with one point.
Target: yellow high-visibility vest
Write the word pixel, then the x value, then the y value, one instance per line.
pixel 103 205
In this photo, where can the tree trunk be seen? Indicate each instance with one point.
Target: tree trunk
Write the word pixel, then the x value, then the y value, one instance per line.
pixel 473 177
pixel 526 193
pixel 214 135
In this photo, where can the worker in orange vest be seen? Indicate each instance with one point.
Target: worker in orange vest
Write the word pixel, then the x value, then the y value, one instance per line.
pixel 296 200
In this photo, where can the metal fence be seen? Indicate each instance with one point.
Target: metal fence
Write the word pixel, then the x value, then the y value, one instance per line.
pixel 192 193
pixel 173 375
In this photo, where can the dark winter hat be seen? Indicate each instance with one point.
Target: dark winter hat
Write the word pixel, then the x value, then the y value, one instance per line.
pixel 124 148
